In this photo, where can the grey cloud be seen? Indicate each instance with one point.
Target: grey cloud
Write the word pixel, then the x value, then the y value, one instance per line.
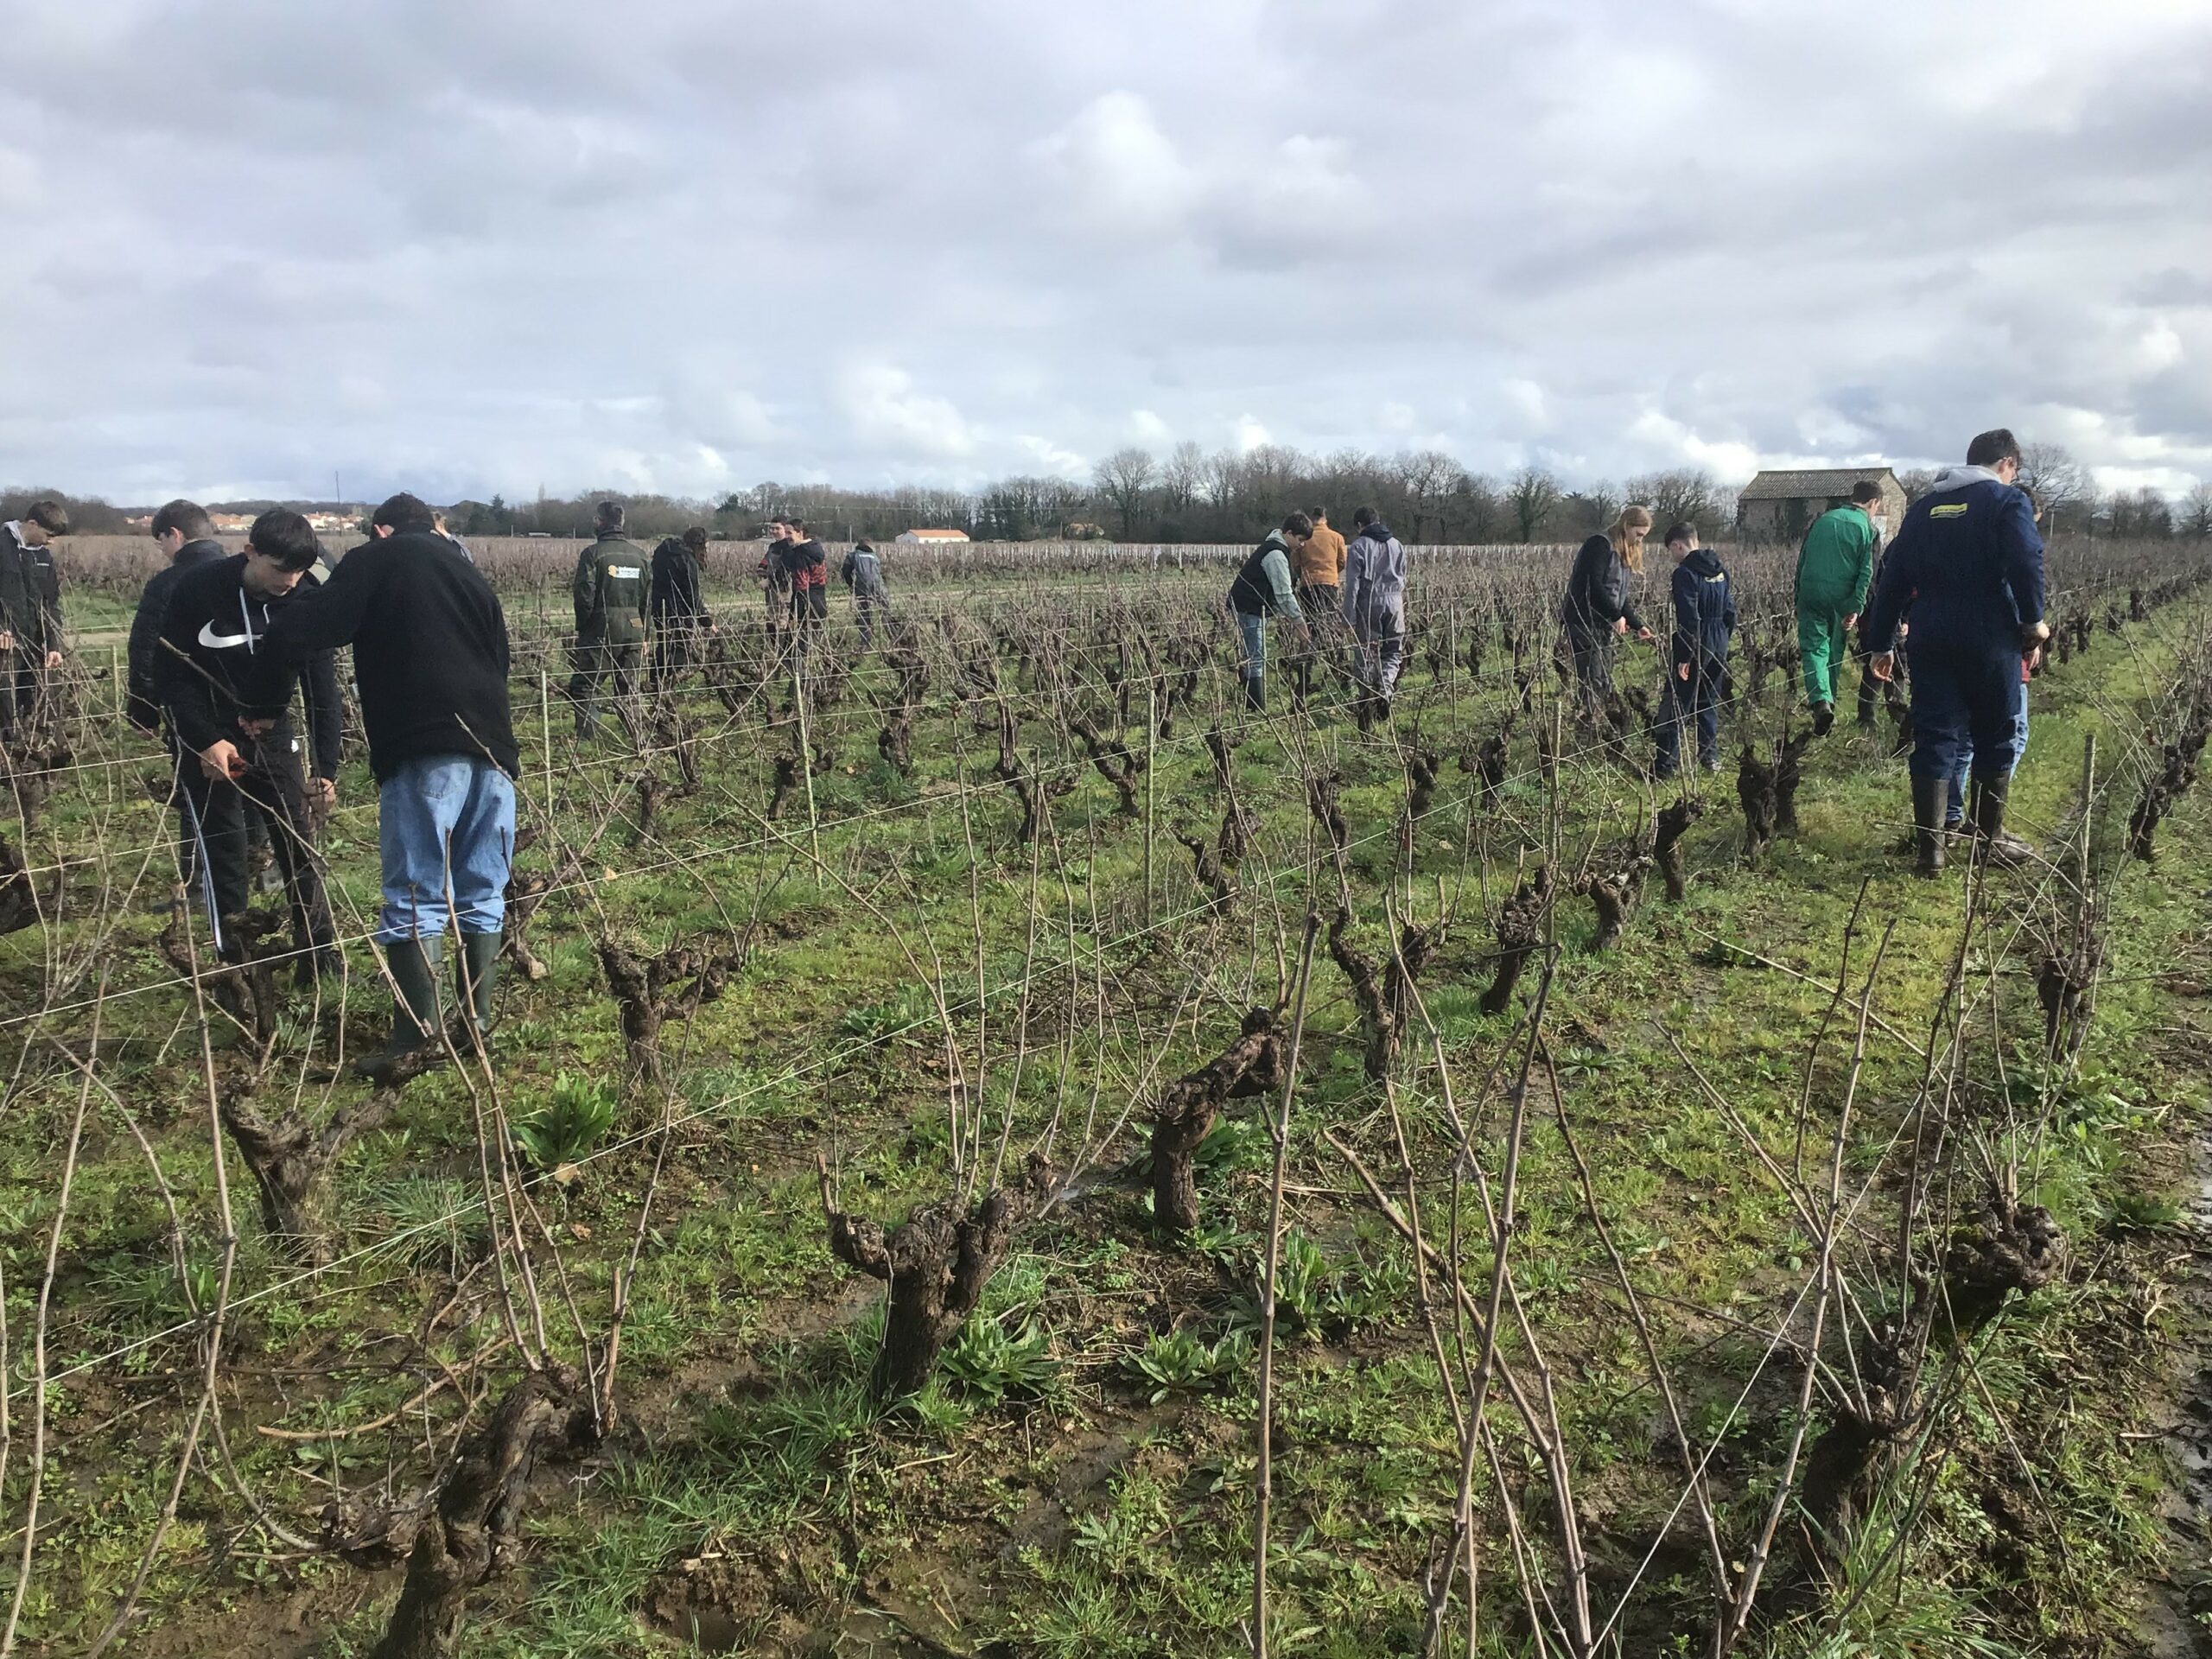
pixel 477 248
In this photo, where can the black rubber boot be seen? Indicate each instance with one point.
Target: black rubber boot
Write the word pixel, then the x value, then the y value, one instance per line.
pixel 480 975
pixel 1928 795
pixel 1823 718
pixel 415 964
pixel 1990 841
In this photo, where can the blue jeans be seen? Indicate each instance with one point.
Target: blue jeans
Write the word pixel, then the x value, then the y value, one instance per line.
pixel 1254 631
pixel 445 819
pixel 1957 813
pixel 1967 704
pixel 1697 699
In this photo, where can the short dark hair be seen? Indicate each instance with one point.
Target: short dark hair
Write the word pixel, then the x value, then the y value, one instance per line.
pixel 1865 492
pixel 1992 447
pixel 1684 533
pixel 1362 517
pixel 695 539
pixel 608 515
pixel 863 545
pixel 189 518
pixel 1297 524
pixel 404 512
pixel 49 516
pixel 1318 515
pixel 798 524
pixel 284 536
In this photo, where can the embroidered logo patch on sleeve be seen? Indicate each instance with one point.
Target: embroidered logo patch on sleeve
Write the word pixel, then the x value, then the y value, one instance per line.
pixel 1948 509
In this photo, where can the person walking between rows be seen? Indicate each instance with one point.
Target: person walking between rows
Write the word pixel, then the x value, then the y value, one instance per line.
pixel 1834 565
pixel 1262 588
pixel 215 617
pixel 30 614
pixel 430 657
pixel 1375 607
pixel 611 591
pixel 1705 617
pixel 679 612
pixel 863 576
pixel 1597 607
pixel 1319 579
pixel 1967 561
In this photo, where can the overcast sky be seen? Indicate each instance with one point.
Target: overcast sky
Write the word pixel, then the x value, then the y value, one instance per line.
pixel 474 246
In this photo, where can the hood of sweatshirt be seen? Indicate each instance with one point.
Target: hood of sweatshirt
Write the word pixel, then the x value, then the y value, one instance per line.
pixel 1703 562
pixel 1378 531
pixel 1957 477
pixel 1274 540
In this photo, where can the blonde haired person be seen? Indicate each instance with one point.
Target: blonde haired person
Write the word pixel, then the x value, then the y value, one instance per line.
pixel 1598 606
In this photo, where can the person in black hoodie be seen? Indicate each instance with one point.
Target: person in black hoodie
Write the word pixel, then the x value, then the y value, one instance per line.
pixel 184 533
pixel 1705 617
pixel 679 612
pixel 430 657
pixel 1598 606
pixel 214 622
pixel 30 611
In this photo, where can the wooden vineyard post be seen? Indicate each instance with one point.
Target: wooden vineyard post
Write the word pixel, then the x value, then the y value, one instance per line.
pixel 806 754
pixel 2088 799
pixel 1151 732
pixel 546 733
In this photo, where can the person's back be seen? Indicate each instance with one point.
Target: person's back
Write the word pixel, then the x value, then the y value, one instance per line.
pixel 611 590
pixel 1321 561
pixel 863 573
pixel 429 650
pixel 1704 614
pixel 1835 559
pixel 1968 560
pixel 675 582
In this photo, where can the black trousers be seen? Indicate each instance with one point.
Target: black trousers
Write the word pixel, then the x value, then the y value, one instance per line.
pixel 596 662
pixel 675 650
pixel 213 860
pixel 22 688
pixel 1593 667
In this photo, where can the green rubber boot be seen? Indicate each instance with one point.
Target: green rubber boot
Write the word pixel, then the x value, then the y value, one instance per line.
pixel 480 970
pixel 414 965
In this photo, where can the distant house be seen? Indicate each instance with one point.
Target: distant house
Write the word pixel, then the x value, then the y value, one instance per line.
pixel 333 523
pixel 1780 506
pixel 231 523
pixel 931 538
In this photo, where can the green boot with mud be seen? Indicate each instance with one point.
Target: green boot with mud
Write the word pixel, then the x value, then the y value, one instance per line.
pixel 480 955
pixel 1930 795
pixel 414 965
pixel 2007 852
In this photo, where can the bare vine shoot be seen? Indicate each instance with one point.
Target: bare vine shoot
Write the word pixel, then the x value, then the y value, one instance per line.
pixel 994 1146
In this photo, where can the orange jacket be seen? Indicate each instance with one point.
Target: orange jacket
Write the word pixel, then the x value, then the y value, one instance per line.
pixel 1321 561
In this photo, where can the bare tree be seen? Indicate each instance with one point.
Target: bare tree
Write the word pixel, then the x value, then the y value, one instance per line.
pixel 2196 520
pixel 1122 480
pixel 2060 482
pixel 1183 477
pixel 1530 498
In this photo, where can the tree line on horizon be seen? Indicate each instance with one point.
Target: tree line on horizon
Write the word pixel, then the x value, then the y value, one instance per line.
pixel 1222 496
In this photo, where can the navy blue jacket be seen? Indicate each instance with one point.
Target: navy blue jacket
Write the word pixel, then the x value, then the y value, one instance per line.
pixel 1705 615
pixel 1967 562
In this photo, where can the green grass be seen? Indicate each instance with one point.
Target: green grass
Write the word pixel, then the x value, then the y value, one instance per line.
pixel 1078 1479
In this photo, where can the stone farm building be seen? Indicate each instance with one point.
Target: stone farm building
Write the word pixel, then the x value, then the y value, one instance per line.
pixel 1780 506
pixel 931 538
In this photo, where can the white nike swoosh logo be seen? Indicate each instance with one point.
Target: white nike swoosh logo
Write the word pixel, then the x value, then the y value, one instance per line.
pixel 215 641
